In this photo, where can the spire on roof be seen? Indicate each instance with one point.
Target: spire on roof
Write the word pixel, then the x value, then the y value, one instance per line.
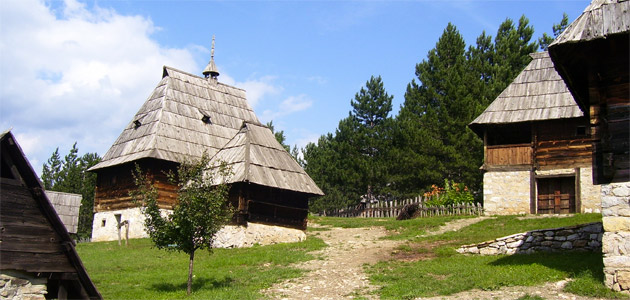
pixel 211 69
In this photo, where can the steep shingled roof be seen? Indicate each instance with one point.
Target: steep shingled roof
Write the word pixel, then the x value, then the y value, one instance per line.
pixel 184 116
pixel 537 93
pixel 254 155
pixel 600 19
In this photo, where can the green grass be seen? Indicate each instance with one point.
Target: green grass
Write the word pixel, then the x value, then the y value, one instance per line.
pixel 442 271
pixel 142 272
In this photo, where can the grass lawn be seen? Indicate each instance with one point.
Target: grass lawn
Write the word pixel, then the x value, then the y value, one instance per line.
pixel 142 272
pixel 429 266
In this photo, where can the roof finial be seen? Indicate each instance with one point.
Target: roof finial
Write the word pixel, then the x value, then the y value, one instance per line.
pixel 211 69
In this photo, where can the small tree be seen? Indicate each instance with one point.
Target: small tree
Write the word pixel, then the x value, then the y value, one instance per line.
pixel 202 209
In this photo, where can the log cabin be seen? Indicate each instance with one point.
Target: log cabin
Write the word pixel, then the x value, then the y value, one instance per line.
pixel 37 254
pixel 537 150
pixel 185 116
pixel 593 58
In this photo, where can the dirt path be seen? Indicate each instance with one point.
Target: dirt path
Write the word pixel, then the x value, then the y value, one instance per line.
pixel 339 273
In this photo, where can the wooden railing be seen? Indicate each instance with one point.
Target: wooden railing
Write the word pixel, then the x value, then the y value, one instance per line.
pixel 385 209
pixel 503 155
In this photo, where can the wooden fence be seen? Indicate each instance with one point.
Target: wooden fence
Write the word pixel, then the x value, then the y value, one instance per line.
pixel 385 209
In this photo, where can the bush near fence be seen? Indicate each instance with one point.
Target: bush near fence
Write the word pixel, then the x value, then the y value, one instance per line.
pixel 393 208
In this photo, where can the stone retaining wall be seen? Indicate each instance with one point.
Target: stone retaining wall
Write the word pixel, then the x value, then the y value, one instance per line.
pixel 17 285
pixel 586 237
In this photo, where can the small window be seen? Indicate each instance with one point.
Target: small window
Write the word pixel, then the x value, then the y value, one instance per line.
pixel 580 131
pixel 136 124
pixel 103 222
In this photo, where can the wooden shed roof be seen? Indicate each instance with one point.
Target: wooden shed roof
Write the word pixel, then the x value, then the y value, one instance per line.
pixel 184 116
pixel 35 240
pixel 254 155
pixel 67 206
pixel 538 93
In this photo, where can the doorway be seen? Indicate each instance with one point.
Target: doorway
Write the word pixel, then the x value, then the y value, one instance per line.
pixel 556 195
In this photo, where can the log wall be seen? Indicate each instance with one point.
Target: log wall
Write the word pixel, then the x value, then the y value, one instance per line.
pixel 115 183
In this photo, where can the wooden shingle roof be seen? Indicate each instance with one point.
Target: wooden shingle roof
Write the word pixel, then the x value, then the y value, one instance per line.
pixel 538 93
pixel 254 155
pixel 599 20
pixel 67 206
pixel 184 116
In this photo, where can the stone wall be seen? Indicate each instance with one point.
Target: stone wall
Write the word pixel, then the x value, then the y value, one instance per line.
pixel 105 228
pixel 506 193
pixel 587 237
pixel 616 241
pixel 16 285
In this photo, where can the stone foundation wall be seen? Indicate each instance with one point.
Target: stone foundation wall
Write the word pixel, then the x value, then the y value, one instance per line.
pixel 616 241
pixel 587 237
pixel 506 193
pixel 16 285
pixel 228 237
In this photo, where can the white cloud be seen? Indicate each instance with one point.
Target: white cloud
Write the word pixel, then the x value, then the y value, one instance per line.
pixel 257 89
pixel 288 106
pixel 75 74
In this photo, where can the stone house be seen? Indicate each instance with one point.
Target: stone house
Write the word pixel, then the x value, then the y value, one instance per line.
pixel 593 57
pixel 185 116
pixel 37 255
pixel 537 149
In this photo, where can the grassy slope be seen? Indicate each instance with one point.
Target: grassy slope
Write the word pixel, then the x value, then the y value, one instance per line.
pixel 141 272
pixel 448 272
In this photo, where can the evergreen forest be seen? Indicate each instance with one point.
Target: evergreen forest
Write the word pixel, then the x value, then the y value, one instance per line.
pixel 375 155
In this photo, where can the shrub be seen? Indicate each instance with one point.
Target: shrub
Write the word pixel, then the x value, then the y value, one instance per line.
pixel 452 194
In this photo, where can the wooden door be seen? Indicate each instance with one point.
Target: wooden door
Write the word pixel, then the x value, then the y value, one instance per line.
pixel 556 195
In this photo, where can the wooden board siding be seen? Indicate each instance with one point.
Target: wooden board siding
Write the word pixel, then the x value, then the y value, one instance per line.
pixel 505 155
pixel 564 153
pixel 115 183
pixel 29 241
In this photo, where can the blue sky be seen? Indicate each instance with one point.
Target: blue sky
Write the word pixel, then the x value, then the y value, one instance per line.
pixel 78 71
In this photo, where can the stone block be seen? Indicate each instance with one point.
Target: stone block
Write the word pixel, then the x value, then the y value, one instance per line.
pixel 564 232
pixel 546 243
pixel 529 238
pixel 623 278
pixel 567 245
pixel 488 251
pixel 515 244
pixel 613 224
pixel 572 237
pixel 617 262
pixel 594 244
pixel 579 243
pixel 560 238
pixel 621 190
pixel 549 233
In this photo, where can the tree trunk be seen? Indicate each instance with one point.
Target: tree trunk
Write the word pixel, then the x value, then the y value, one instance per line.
pixel 190 272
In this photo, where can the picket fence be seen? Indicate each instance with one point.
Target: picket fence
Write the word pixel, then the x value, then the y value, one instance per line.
pixel 385 209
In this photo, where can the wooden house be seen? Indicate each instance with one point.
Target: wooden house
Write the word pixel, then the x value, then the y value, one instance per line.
pixel 593 57
pixel 67 206
pixel 268 185
pixel 37 255
pixel 185 116
pixel 537 149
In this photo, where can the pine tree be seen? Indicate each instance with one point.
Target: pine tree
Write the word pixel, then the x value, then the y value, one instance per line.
pixel 546 40
pixel 71 176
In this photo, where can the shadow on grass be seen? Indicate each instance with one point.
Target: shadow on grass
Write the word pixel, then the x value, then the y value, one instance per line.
pixel 573 263
pixel 197 284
